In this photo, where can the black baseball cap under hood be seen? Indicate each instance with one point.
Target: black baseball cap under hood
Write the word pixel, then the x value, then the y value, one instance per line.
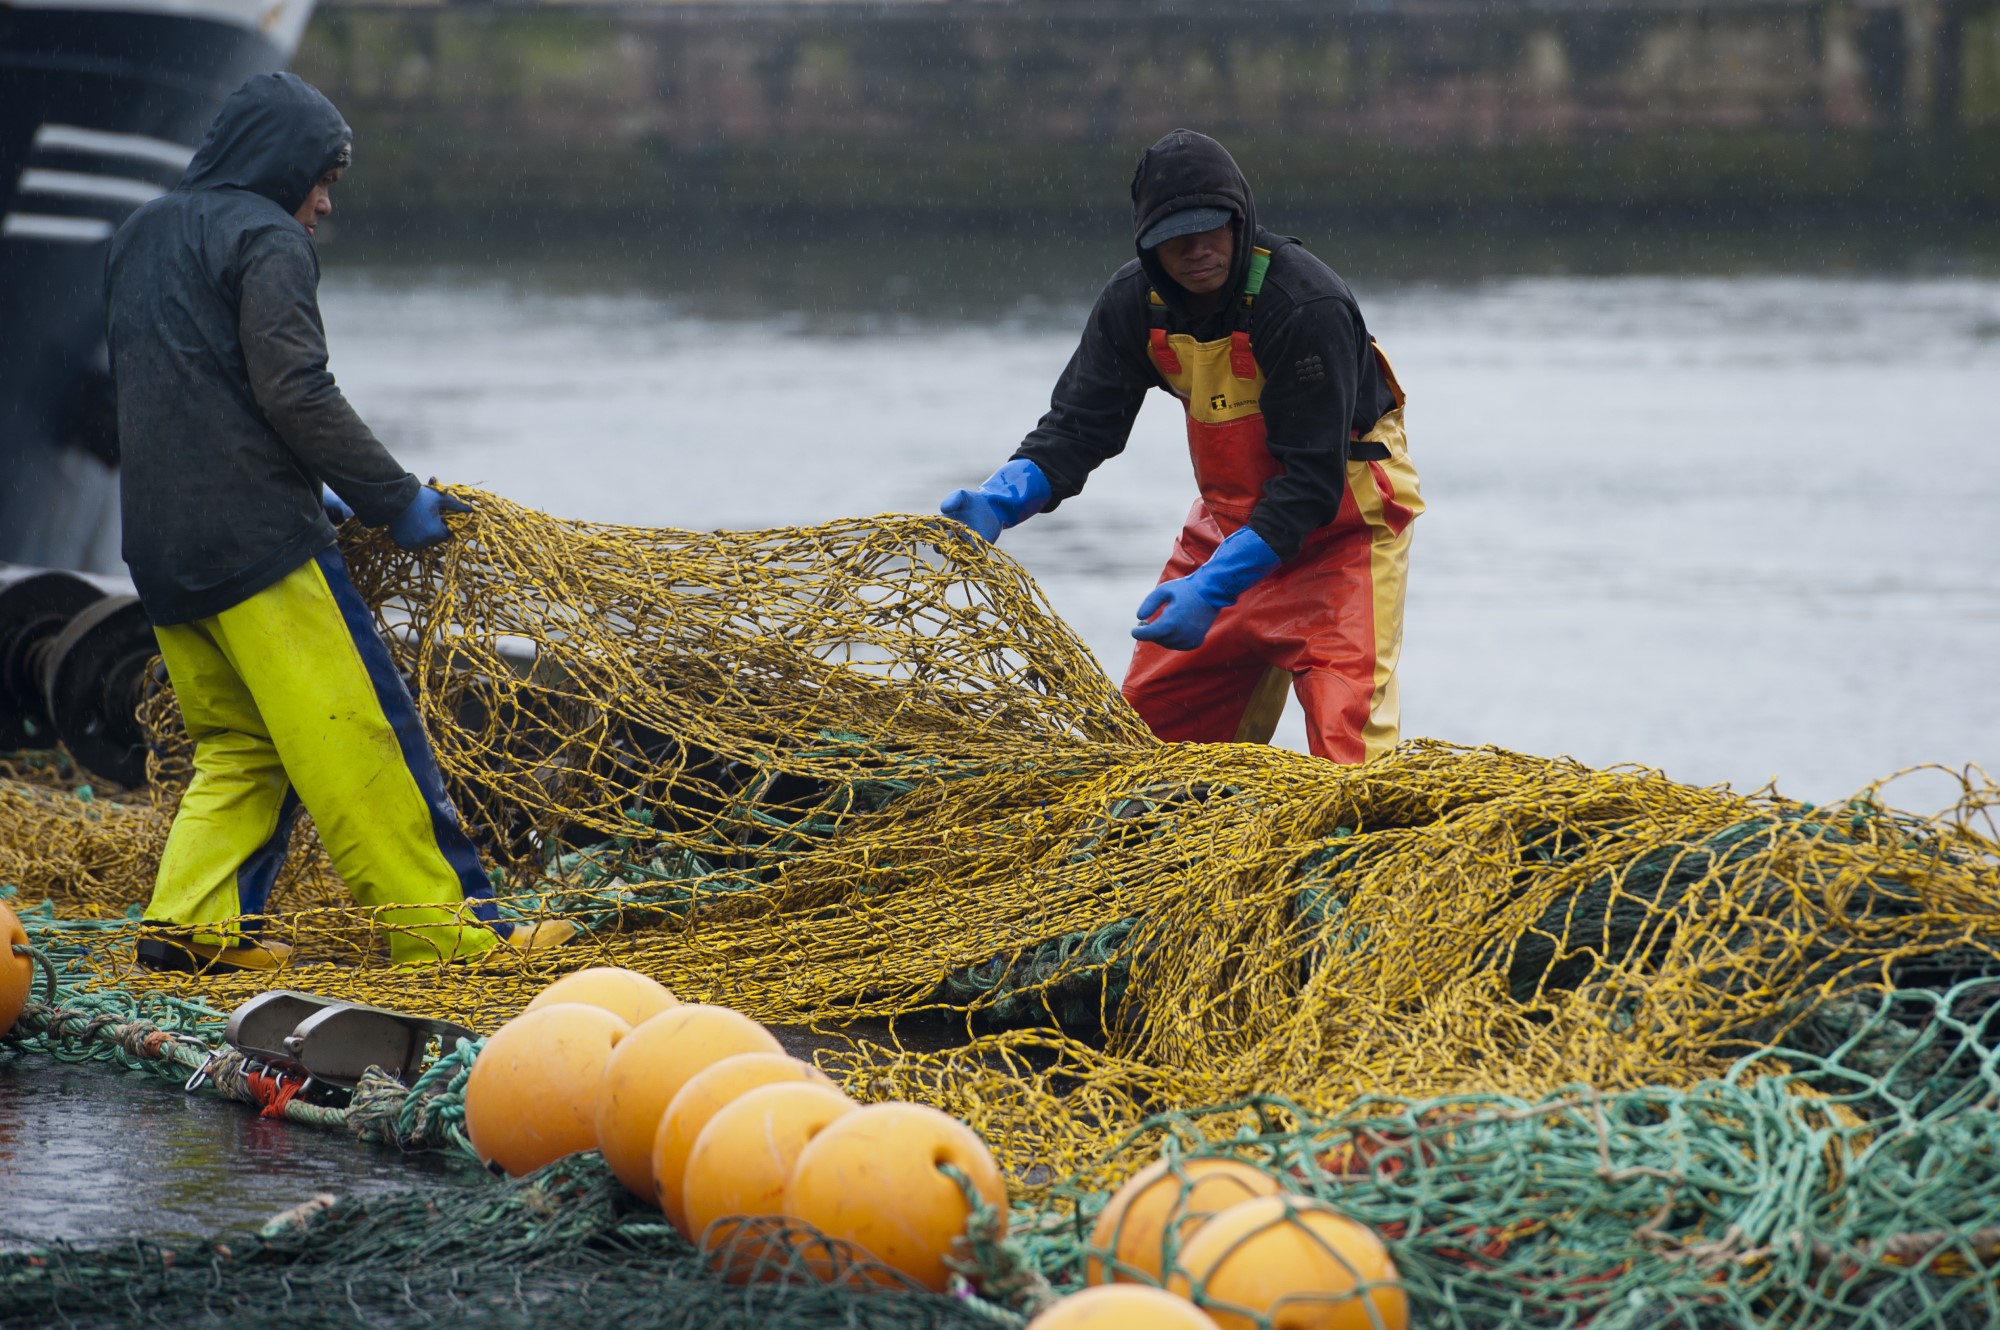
pixel 275 136
pixel 1190 170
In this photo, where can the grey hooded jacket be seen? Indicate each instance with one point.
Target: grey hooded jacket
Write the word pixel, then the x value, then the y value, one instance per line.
pixel 228 419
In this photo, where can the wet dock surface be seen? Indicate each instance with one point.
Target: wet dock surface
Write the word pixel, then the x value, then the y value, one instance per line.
pixel 92 1153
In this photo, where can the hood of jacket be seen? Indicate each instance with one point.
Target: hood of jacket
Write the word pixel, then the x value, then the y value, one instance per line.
pixel 275 136
pixel 1190 170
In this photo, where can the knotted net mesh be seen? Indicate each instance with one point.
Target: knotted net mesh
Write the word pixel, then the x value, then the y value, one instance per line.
pixel 861 778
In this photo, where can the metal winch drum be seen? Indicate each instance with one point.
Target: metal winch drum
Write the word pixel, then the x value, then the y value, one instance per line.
pixel 74 669
pixel 33 612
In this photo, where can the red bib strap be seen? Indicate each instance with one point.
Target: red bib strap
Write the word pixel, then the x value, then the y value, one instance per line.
pixel 1241 363
pixel 1164 356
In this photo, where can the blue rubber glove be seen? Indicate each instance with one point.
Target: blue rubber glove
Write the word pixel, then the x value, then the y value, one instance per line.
pixel 1010 496
pixel 1187 606
pixel 421 523
pixel 336 507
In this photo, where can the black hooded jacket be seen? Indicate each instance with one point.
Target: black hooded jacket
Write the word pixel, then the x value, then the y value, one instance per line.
pixel 227 417
pixel 1306 331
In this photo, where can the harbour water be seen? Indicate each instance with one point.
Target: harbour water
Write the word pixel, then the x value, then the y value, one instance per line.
pixel 1722 505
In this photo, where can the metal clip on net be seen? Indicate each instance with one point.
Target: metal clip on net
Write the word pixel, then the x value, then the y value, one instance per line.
pixel 335 1042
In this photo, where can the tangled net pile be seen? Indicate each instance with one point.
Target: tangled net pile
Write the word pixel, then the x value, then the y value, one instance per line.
pixel 1586 1045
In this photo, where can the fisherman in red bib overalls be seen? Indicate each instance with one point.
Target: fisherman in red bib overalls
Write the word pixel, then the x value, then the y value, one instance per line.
pixel 1291 567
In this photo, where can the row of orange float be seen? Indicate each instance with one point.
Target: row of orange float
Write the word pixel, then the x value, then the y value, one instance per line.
pixel 699 1109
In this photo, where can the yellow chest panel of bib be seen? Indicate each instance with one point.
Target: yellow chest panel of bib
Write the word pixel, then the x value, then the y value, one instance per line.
pixel 1207 384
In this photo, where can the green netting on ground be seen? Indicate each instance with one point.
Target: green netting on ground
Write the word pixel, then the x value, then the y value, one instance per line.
pixel 1798 1190
pixel 565 1247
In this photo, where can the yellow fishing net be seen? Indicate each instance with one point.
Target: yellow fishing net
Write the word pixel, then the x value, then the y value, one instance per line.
pixel 861 777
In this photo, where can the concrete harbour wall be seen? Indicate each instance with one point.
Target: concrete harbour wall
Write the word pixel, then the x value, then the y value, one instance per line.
pixel 959 106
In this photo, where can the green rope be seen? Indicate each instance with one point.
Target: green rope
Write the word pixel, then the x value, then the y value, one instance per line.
pixel 998 1267
pixel 41 961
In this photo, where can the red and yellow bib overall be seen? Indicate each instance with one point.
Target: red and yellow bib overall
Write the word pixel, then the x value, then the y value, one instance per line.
pixel 1329 620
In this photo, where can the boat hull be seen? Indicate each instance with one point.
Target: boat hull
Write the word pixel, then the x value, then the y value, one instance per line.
pixel 100 110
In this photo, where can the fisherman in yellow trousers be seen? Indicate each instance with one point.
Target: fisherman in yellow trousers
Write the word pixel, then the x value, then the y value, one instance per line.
pixel 238 451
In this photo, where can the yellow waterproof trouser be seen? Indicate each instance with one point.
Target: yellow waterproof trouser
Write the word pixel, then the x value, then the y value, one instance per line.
pixel 291 697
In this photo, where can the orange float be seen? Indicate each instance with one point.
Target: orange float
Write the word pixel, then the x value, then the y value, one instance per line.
pixel 648 1070
pixel 742 1162
pixel 1128 1243
pixel 626 993
pixel 1289 1263
pixel 532 1094
pixel 698 1101
pixel 17 973
pixel 1122 1307
pixel 872 1179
